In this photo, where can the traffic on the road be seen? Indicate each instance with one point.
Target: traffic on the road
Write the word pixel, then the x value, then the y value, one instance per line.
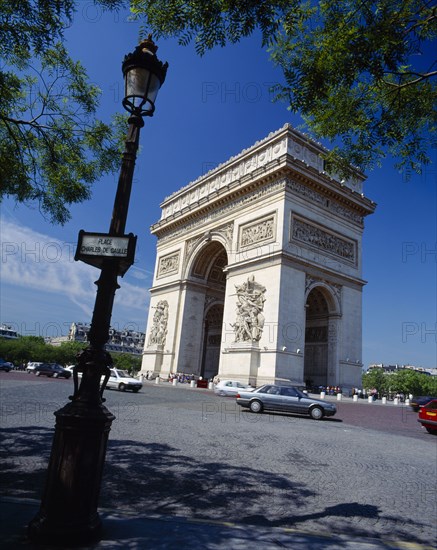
pixel 417 418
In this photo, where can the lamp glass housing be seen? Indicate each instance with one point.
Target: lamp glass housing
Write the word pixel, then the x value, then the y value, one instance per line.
pixel 141 90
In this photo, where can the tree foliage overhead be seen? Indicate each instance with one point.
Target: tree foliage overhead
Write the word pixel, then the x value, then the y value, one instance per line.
pixel 52 148
pixel 359 72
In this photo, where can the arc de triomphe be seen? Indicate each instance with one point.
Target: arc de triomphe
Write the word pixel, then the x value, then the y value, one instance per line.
pixel 259 270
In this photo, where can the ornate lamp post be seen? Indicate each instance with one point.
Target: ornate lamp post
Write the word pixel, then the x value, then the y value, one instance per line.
pixel 68 511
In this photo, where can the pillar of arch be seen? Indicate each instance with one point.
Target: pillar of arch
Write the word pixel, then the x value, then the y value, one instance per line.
pixel 258 270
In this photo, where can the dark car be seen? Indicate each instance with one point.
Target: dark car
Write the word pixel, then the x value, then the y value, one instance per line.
pixel 428 416
pixel 272 397
pixel 417 402
pixel 52 370
pixel 5 365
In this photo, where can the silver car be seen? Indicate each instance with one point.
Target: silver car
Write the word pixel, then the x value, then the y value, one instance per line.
pixel 122 381
pixel 230 387
pixel 272 397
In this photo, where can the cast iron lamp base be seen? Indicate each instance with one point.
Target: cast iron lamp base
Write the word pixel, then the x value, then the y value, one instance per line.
pixel 68 513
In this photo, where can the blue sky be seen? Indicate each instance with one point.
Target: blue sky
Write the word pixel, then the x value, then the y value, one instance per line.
pixel 208 110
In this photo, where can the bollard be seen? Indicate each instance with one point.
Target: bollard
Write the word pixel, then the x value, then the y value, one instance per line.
pixel 395 401
pixel 407 402
pixel 175 381
pixel 211 386
pixel 157 380
pixel 192 384
pixel 322 395
pixel 370 399
pixel 384 400
pixel 355 398
pixel 339 396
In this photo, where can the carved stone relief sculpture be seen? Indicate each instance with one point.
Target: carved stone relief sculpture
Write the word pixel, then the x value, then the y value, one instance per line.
pixel 249 322
pixel 158 332
pixel 253 233
pixel 316 237
pixel 168 264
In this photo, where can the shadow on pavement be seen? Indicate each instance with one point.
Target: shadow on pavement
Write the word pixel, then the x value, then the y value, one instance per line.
pixel 145 479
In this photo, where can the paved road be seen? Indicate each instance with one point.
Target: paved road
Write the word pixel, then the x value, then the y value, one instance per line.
pixel 368 472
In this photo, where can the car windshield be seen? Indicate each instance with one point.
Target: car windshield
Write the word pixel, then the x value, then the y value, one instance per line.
pixel 122 373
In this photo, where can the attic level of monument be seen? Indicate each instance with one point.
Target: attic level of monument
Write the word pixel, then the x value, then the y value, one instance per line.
pixel 258 274
pixel 285 153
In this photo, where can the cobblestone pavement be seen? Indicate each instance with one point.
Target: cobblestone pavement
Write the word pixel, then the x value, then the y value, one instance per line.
pixel 189 454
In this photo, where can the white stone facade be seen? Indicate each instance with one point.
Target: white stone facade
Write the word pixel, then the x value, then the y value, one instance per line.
pixel 259 270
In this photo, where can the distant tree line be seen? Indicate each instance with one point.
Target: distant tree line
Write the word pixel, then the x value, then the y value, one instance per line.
pixel 33 348
pixel 404 381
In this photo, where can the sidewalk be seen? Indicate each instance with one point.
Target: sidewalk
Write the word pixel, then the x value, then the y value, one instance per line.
pixel 163 532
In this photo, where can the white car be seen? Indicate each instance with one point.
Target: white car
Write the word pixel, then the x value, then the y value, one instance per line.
pixel 231 387
pixel 31 366
pixel 122 381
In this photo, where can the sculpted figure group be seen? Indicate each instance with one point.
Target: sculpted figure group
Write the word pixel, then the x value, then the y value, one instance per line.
pixel 249 322
pixel 158 332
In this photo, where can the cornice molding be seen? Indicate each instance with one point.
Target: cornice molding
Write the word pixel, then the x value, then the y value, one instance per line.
pixel 284 152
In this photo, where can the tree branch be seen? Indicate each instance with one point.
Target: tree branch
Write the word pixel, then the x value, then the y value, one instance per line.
pixel 411 82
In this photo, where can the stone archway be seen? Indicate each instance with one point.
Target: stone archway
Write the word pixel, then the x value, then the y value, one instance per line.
pixel 212 337
pixel 317 360
pixel 270 214
pixel 207 269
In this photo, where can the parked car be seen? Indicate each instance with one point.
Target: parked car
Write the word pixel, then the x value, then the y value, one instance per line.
pixel 70 368
pixel 420 400
pixel 122 381
pixel 31 365
pixel 230 387
pixel 52 370
pixel 273 397
pixel 428 416
pixel 6 366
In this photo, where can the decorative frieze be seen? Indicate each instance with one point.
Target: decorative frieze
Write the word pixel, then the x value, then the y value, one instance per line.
pixel 261 231
pixel 286 142
pixel 233 206
pixel 168 264
pixel 324 202
pixel 220 178
pixel 328 242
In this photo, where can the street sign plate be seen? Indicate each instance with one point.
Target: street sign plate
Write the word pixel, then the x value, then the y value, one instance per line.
pixel 97 248
pixel 104 245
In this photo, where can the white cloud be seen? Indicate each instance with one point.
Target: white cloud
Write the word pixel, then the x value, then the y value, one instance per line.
pixel 39 262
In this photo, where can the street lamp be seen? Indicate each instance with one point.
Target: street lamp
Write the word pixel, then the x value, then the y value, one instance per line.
pixel 68 511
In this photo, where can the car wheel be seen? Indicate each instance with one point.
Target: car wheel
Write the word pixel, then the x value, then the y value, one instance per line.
pixel 37 373
pixel 316 413
pixel 256 406
pixel 122 387
pixel 55 375
pixel 430 430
